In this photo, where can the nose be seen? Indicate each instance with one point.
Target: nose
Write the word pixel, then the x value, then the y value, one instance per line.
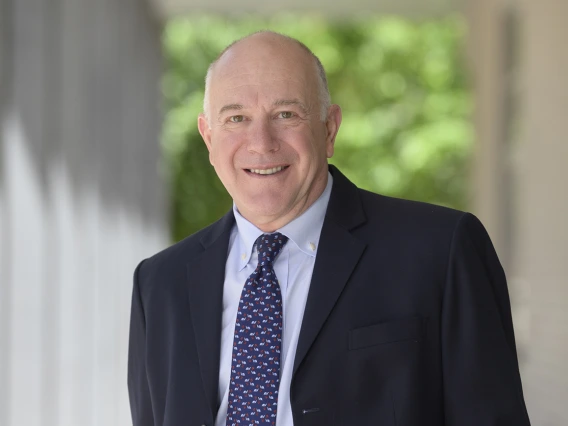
pixel 262 138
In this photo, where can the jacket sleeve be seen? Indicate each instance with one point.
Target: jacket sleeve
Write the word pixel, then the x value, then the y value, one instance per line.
pixel 482 384
pixel 138 390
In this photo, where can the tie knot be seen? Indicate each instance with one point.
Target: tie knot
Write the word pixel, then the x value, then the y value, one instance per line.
pixel 269 246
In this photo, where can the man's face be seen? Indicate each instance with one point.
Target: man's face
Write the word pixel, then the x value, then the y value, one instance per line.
pixel 264 132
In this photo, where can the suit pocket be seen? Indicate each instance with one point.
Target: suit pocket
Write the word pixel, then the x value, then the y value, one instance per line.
pixel 387 332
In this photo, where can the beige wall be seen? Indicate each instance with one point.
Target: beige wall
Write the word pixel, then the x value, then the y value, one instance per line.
pixel 541 208
pixel 519 54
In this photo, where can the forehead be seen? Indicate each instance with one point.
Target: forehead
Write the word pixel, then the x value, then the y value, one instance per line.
pixel 263 72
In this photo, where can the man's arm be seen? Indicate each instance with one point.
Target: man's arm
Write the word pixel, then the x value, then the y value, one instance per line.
pixel 140 402
pixel 482 384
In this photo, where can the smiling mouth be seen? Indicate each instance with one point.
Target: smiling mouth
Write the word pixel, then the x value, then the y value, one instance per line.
pixel 267 171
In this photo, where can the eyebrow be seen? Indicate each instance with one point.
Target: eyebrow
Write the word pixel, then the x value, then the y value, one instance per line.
pixel 284 102
pixel 279 102
pixel 230 107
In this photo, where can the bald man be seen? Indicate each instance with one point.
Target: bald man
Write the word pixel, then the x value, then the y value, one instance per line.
pixel 313 302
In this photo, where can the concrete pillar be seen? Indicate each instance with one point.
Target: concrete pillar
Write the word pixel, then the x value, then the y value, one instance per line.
pixel 488 58
pixel 520 61
pixel 540 162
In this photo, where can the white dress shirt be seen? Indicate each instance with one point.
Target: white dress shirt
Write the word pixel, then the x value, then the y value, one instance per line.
pixel 294 267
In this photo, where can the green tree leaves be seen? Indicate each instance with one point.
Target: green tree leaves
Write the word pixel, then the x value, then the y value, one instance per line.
pixel 406 128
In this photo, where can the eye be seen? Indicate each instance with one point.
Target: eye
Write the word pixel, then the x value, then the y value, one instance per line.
pixel 236 118
pixel 286 114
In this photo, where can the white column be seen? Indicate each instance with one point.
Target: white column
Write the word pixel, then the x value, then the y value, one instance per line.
pixel 80 203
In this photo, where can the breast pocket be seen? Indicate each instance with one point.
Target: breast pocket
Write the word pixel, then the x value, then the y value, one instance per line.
pixel 387 332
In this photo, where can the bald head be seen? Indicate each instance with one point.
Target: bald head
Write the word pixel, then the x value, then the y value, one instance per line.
pixel 268 131
pixel 267 47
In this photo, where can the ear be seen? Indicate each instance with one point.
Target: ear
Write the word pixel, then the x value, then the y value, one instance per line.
pixel 332 125
pixel 205 131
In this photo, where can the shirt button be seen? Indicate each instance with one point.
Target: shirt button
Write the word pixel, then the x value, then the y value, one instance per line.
pixel 313 246
pixel 243 256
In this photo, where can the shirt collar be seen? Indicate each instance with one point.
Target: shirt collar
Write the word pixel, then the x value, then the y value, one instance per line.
pixel 304 231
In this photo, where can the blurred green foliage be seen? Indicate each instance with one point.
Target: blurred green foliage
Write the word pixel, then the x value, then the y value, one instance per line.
pixel 406 128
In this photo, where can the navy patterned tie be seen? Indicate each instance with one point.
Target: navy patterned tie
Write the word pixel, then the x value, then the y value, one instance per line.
pixel 255 367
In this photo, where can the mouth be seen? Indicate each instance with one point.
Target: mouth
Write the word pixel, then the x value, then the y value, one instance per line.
pixel 267 172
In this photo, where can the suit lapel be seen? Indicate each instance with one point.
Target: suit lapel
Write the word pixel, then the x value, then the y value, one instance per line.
pixel 338 254
pixel 206 276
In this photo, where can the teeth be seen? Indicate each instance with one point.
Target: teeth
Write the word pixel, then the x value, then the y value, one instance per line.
pixel 266 171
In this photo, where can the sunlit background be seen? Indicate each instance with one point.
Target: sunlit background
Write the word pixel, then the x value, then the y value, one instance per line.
pixel 462 103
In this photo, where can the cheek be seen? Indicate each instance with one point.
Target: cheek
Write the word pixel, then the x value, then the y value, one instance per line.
pixel 223 149
pixel 213 156
pixel 303 141
pixel 222 156
pixel 311 149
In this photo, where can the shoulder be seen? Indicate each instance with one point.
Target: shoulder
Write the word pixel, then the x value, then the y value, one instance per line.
pixel 427 237
pixel 351 206
pixel 405 222
pixel 407 213
pixel 175 258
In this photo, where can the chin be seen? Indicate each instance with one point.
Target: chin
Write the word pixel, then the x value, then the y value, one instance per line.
pixel 268 207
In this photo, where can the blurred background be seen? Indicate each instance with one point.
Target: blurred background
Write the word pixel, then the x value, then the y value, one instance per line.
pixel 462 103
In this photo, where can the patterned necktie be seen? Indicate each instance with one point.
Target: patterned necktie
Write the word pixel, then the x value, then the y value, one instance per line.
pixel 255 367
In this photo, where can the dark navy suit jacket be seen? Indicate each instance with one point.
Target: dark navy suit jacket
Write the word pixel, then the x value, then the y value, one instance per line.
pixel 407 323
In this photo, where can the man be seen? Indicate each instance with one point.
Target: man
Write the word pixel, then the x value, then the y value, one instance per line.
pixel 313 302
